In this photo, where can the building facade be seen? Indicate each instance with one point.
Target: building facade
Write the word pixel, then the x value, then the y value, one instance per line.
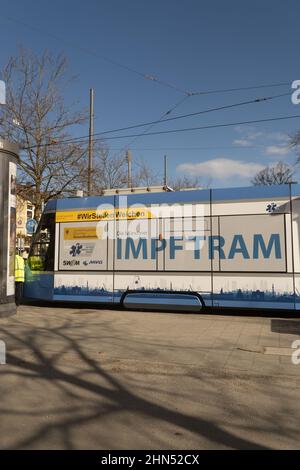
pixel 24 212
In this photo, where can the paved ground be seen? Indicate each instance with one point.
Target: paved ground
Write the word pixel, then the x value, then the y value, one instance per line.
pixel 84 378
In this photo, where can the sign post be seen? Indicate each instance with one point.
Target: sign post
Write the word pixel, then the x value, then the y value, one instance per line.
pixel 31 226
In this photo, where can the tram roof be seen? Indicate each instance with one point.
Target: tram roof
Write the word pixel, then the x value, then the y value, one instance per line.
pixel 217 195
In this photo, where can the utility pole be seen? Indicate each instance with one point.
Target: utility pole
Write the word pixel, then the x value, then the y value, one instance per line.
pixel 165 172
pixel 91 143
pixel 129 159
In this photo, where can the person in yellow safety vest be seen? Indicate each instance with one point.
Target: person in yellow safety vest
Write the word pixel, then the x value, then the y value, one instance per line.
pixel 19 278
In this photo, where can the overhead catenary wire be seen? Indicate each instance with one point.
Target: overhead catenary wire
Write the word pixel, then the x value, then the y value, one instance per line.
pixel 197 113
pixel 145 76
pixel 208 147
pixel 228 90
pixel 152 124
pixel 243 88
pixel 161 120
pixel 213 126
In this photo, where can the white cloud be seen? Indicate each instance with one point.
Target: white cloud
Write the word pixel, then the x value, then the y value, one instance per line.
pixel 256 135
pixel 242 142
pixel 262 137
pixel 221 168
pixel 277 150
pixel 249 132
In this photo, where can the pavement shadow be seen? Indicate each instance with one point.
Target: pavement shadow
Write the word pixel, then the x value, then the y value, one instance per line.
pixel 290 327
pixel 29 359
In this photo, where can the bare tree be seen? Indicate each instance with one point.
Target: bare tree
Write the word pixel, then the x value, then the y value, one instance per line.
pixel 188 182
pixel 110 171
pixel 295 145
pixel 36 117
pixel 280 173
pixel 295 139
pixel 144 175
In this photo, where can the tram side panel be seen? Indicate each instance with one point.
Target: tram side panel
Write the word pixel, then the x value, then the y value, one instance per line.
pixel 255 261
pixel 241 254
pixel 84 268
pixel 296 247
pixel 166 254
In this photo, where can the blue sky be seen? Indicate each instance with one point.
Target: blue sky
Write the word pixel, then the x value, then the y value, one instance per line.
pixel 193 44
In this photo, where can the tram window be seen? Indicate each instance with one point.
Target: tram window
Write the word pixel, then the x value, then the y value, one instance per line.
pixel 41 256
